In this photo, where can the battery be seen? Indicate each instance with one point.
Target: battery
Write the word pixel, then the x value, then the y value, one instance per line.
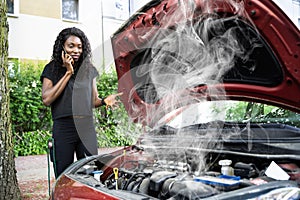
pixel 222 182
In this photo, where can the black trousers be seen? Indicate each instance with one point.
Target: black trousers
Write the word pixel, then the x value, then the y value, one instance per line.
pixel 72 136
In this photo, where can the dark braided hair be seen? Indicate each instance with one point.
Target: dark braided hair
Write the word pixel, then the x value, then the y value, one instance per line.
pixel 63 36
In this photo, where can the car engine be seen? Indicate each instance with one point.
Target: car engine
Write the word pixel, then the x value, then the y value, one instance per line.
pixel 152 174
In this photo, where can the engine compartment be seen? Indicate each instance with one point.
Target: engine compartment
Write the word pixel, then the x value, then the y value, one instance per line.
pixel 154 174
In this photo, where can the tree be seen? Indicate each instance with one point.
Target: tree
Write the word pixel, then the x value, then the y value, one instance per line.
pixel 8 180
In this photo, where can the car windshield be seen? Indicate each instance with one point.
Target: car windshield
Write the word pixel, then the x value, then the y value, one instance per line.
pixel 231 111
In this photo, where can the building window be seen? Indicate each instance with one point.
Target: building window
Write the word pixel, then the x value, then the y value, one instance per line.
pixel 12 7
pixel 70 10
pixel 296 1
pixel 135 5
pixel 116 9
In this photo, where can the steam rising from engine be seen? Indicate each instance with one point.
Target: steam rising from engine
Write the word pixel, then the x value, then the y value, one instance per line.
pixel 197 50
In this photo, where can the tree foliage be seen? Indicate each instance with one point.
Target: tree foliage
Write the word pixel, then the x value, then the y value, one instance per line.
pixel 257 112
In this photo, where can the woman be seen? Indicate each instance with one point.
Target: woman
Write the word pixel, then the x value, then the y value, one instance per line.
pixel 69 87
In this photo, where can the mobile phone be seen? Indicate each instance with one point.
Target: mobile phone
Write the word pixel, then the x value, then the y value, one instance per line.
pixel 64 50
pixel 72 62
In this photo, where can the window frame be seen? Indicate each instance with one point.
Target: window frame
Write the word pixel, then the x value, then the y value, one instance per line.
pixel 70 20
pixel 16 9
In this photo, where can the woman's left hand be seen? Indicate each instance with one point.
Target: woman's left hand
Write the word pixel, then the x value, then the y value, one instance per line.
pixel 111 100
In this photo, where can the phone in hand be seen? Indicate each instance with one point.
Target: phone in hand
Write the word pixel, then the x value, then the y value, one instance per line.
pixel 65 52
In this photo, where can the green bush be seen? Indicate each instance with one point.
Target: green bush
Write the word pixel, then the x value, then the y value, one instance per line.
pixel 113 126
pixel 27 110
pixel 31 120
pixel 31 143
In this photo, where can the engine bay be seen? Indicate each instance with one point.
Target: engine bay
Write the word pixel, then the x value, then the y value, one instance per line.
pixel 153 174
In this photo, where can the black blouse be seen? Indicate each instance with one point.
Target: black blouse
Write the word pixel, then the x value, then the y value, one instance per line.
pixel 76 98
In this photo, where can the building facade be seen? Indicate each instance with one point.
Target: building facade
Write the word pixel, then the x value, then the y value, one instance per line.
pixel 34 24
pixel 291 8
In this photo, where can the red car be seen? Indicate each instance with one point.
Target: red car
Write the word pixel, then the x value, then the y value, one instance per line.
pixel 216 83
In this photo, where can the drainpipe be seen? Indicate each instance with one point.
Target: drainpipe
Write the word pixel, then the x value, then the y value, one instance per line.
pixel 102 33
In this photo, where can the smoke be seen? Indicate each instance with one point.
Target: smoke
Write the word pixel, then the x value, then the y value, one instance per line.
pixel 197 50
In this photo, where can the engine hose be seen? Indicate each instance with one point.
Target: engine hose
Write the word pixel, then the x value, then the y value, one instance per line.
pixel 131 178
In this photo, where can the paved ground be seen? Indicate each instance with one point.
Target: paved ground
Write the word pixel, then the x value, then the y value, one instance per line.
pixel 36 167
pixel 33 167
pixel 33 173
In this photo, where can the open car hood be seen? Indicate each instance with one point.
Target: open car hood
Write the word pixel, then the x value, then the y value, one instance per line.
pixel 172 53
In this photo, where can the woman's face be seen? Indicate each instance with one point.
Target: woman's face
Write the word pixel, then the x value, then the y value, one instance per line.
pixel 73 47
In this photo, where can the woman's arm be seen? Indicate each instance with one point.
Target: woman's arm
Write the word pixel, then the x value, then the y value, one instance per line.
pixel 50 92
pixel 110 100
pixel 97 100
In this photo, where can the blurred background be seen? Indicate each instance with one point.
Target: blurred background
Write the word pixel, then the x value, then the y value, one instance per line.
pixel 34 24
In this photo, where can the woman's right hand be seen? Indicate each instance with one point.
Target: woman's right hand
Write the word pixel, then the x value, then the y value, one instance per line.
pixel 67 62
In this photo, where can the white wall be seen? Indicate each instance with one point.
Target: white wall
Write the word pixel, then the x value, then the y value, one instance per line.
pixel 112 20
pixel 110 26
pixel 33 37
pixel 29 37
pixel 291 8
pixel 137 4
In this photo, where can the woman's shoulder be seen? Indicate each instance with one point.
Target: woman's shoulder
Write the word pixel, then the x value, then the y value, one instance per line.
pixel 51 64
pixel 54 66
pixel 89 71
pixel 53 70
pixel 90 67
pixel 94 71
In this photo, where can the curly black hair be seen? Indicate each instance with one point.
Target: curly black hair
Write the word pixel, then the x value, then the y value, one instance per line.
pixel 60 41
